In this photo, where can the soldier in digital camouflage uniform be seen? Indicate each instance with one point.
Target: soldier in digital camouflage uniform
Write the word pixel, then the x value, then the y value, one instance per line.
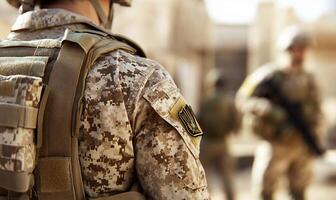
pixel 285 153
pixel 130 132
pixel 219 118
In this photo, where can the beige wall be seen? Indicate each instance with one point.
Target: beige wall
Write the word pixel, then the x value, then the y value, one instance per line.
pixel 178 34
pixel 5 28
pixel 7 17
pixel 260 36
pixel 322 58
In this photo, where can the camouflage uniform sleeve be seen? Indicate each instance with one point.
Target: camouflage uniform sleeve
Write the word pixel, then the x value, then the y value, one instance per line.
pixel 167 157
pixel 312 107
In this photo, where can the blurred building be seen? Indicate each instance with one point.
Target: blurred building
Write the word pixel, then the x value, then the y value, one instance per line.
pixel 232 53
pixel 322 58
pixel 5 28
pixel 178 34
pixel 7 17
pixel 270 19
pixel 322 61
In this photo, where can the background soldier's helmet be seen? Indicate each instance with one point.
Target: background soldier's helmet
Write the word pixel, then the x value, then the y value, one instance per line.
pixel 293 36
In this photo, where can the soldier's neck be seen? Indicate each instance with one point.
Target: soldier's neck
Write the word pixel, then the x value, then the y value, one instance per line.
pixel 83 8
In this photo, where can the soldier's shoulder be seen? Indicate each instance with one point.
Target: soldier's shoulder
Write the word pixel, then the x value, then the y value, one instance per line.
pixel 139 72
pixel 134 75
pixel 131 69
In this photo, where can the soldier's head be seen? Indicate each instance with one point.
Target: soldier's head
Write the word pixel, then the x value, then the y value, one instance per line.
pixel 103 8
pixel 216 80
pixel 294 41
pixel 220 83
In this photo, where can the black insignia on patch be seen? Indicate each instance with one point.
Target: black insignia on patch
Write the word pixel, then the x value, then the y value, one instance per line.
pixel 188 118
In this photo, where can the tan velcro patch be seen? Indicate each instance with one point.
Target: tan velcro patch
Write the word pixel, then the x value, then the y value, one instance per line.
pixel 54 174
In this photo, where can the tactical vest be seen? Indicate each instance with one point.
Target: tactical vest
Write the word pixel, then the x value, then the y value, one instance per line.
pixel 41 86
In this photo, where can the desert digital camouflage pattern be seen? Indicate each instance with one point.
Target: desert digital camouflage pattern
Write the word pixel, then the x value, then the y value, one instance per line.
pixel 17 144
pixel 128 134
pixel 286 153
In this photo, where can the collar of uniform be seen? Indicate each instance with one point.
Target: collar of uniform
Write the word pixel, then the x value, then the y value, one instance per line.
pixel 47 18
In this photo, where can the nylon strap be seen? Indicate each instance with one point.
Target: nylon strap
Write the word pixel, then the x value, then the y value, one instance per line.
pixel 29 65
pixel 15 181
pixel 123 196
pixel 40 118
pixel 14 116
pixel 100 12
pixel 103 47
pixel 58 140
pixel 110 16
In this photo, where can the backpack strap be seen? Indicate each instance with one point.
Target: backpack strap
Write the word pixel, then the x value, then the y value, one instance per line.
pixel 58 171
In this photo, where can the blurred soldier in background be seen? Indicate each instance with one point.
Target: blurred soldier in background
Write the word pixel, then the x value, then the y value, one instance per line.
pixel 219 118
pixel 136 131
pixel 281 103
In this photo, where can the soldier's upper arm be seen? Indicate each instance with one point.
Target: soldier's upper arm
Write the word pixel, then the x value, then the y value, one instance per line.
pixel 170 105
pixel 167 145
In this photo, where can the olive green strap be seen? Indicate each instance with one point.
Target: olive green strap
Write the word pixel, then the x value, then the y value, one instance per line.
pixel 58 140
pixel 29 65
pixel 104 46
pixel 14 116
pixel 105 20
pixel 15 181
pixel 123 196
pixel 40 118
pixel 23 196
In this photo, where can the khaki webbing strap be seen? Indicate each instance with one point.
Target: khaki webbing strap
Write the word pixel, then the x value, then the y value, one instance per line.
pixel 85 40
pixel 30 65
pixel 40 117
pixel 44 43
pixel 102 47
pixel 103 18
pixel 58 140
pixel 15 181
pixel 123 196
pixel 107 46
pixel 14 196
pixel 139 51
pixel 14 116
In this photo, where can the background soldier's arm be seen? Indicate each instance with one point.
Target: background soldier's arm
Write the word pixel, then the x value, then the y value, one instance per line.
pixel 312 108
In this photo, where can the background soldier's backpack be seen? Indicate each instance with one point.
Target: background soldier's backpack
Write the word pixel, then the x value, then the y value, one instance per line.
pixel 41 87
